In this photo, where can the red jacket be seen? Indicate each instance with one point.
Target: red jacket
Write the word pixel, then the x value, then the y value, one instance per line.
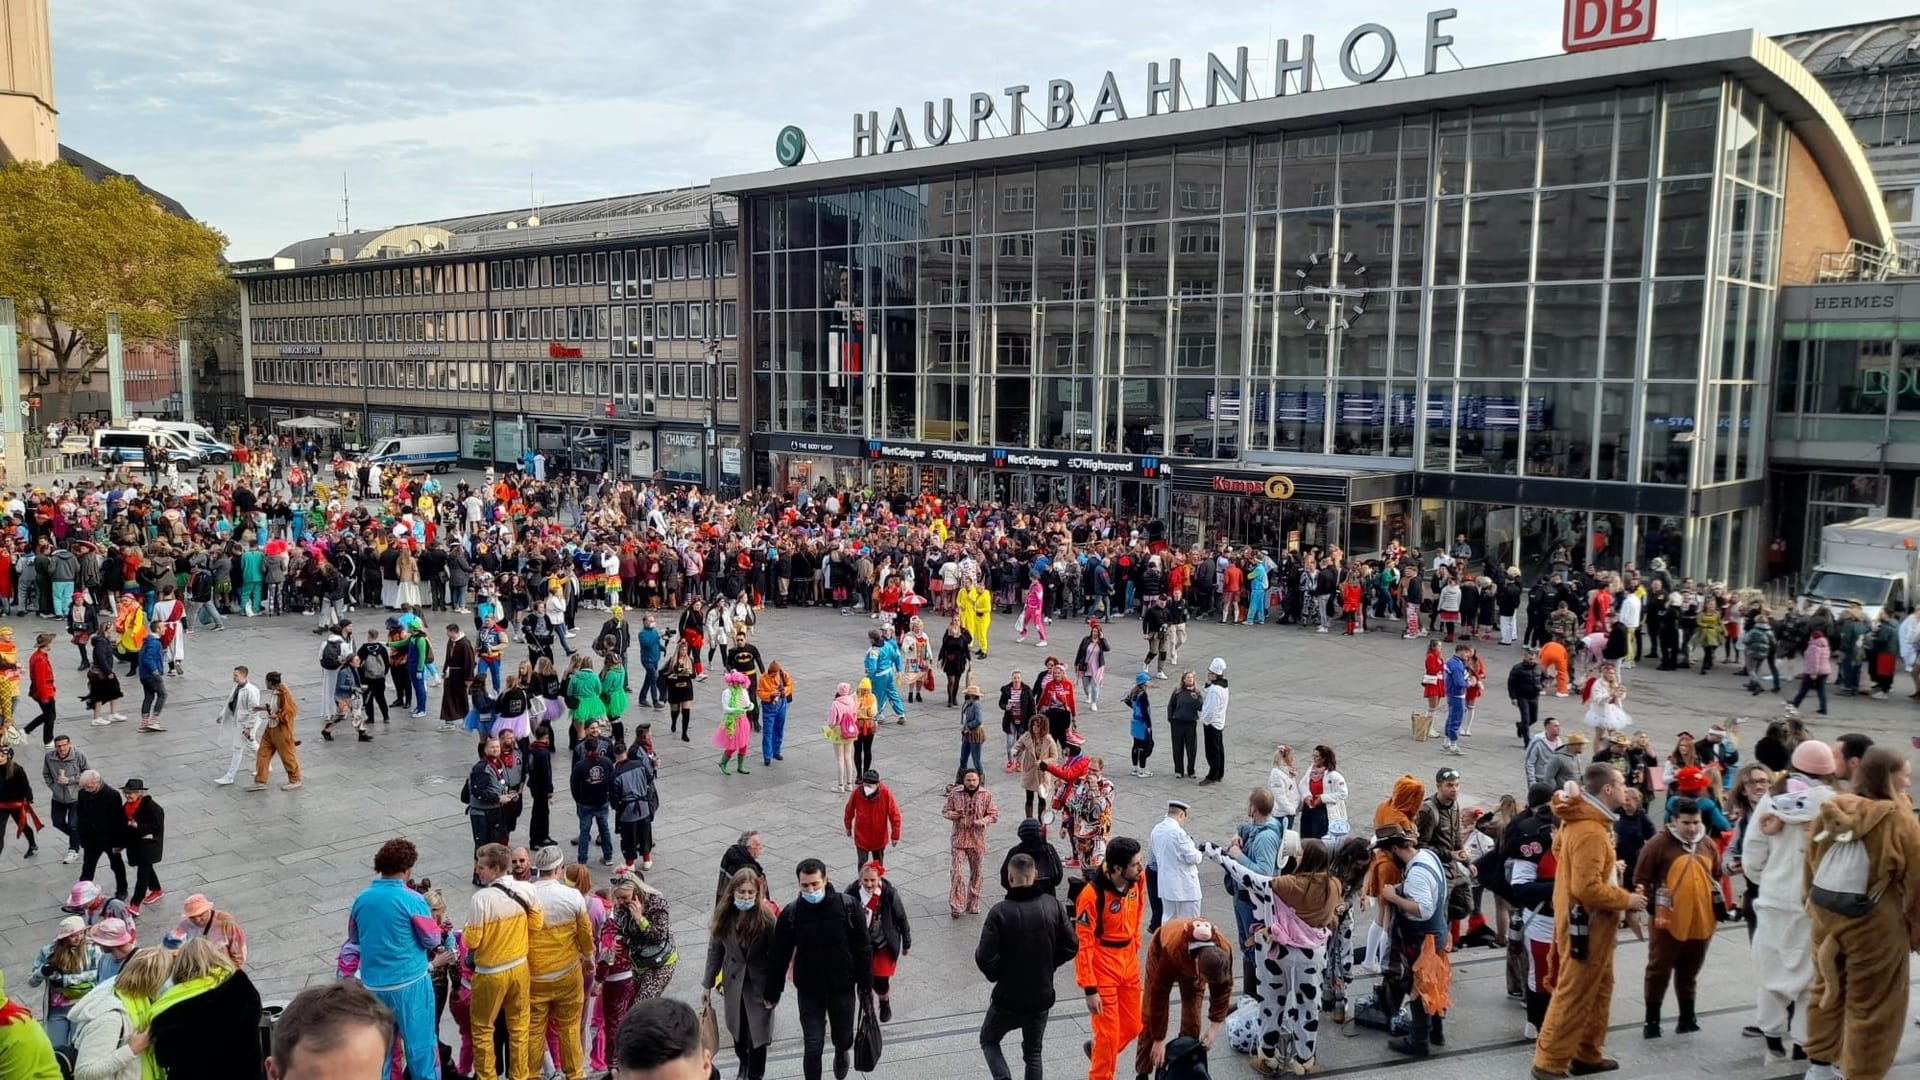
pixel 869 820
pixel 40 676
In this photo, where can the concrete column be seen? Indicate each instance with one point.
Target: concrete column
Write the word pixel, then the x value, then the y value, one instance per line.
pixel 13 414
pixel 116 370
pixel 180 328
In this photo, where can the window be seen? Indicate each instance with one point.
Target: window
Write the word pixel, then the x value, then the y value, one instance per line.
pixel 599 268
pixel 1140 197
pixel 697 322
pixel 679 380
pixel 696 261
pixel 957 201
pixel 1076 290
pixel 1018 246
pixel 1899 205
pixel 1017 198
pixel 730 258
pixel 679 263
pixel 1013 352
pixel 1076 197
pixel 730 318
pixel 1194 351
pixel 1199 239
pixel 1077 241
pixel 697 382
pixel 619 276
pixel 729 383
pixel 618 344
pixel 680 320
pixel 1193 286
pixel 1140 242
pixel 1015 292
pixel 1199 196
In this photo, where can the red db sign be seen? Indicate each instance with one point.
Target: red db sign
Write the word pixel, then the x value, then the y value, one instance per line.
pixel 1603 24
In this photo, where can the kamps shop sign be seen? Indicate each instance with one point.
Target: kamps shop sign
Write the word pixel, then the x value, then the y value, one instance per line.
pixel 1366 54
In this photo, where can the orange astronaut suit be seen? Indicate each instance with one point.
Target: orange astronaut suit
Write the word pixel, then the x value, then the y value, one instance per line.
pixel 1107 923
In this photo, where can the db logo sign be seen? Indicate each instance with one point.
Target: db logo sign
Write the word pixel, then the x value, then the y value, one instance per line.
pixel 1603 24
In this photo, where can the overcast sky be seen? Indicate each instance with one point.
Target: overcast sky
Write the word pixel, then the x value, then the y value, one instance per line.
pixel 249 113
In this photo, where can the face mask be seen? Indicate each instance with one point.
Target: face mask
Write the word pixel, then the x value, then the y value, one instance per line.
pixel 868 790
pixel 813 897
pixel 743 905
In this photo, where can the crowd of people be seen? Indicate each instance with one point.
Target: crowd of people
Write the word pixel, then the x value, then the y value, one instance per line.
pixel 548 589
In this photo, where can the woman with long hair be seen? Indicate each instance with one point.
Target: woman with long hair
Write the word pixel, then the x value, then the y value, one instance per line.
pixel 638 919
pixel 1090 663
pixel 678 678
pixel 1433 683
pixel 866 708
pixel 738 937
pixel 1859 994
pixel 549 690
pixel 584 698
pixel 1751 783
pixel 613 691
pixel 1323 798
pixel 1294 915
pixel 66 965
pixel 208 1022
pixel 106 1020
pixel 1035 750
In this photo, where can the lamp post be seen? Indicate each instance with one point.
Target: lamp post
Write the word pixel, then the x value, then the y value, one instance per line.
pixel 185 348
pixel 711 346
pixel 12 426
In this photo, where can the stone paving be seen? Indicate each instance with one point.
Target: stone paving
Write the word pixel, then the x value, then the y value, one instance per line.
pixel 289 863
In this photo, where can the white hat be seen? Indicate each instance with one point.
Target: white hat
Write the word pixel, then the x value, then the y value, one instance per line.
pixel 1218 667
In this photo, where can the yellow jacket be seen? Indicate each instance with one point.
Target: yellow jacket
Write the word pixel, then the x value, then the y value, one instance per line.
pixel 499 929
pixel 565 935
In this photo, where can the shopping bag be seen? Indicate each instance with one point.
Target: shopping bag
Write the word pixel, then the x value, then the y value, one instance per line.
pixel 1422 726
pixel 866 1036
pixel 709 1028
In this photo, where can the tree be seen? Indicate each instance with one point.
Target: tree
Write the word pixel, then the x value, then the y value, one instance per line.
pixel 73 251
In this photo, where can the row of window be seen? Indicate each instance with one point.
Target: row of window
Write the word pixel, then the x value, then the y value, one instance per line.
pixel 631 329
pixel 679 382
pixel 629 274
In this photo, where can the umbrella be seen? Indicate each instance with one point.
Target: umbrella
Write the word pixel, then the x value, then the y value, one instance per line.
pixel 309 423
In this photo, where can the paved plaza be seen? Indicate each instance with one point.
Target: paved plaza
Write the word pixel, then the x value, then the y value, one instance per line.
pixel 288 863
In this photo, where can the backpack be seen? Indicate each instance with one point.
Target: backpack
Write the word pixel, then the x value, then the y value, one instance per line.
pixel 333 655
pixel 1840 881
pixel 1186 1060
pixel 373 663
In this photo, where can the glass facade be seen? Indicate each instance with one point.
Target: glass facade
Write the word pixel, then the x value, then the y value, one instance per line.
pixel 1573 289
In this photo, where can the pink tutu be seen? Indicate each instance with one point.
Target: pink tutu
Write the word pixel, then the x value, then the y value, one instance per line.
pixel 738 741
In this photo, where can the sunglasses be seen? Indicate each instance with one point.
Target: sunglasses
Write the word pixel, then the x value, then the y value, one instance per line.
pixel 1449 774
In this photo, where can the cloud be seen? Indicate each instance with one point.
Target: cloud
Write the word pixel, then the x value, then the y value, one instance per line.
pixel 249 113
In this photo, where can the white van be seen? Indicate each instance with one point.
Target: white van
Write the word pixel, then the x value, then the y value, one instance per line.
pixel 436 452
pixel 129 446
pixel 196 435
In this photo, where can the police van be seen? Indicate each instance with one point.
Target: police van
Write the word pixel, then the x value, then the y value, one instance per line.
pixel 436 452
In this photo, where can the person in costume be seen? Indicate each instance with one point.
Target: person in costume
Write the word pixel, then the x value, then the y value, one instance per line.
pixel 975 603
pixel 735 732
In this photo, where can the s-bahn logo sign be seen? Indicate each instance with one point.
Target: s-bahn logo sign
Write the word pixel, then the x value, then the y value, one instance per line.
pixel 1365 55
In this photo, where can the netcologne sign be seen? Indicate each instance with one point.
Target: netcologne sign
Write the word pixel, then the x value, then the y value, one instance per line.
pixel 1227 81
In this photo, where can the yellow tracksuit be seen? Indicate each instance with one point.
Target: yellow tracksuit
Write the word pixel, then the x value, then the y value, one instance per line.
pixel 498 935
pixel 562 942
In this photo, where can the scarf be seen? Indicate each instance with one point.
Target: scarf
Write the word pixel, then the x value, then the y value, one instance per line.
pixel 140 1017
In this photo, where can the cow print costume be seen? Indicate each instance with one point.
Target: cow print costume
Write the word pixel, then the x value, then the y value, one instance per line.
pixel 1288 977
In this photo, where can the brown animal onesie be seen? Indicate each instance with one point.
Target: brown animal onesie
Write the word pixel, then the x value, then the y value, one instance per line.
pixel 1172 960
pixel 1576 1024
pixel 1859 992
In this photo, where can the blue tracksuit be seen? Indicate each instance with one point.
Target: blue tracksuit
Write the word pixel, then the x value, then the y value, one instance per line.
pixel 394 930
pixel 882 665
pixel 1455 674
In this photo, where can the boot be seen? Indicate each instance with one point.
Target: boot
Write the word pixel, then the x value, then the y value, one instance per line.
pixel 1687 1025
pixel 741 766
pixel 724 762
pixel 1436 1031
pixel 1652 1028
pixel 886 1008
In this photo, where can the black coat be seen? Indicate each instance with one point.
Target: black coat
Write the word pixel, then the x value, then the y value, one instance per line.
pixel 216 1033
pixel 101 821
pixel 1523 681
pixel 737 858
pixel 145 836
pixel 1046 861
pixel 827 945
pixel 1025 939
pixel 890 930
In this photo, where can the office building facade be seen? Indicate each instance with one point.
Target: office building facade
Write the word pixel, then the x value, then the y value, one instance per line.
pixel 1532 304
pixel 603 334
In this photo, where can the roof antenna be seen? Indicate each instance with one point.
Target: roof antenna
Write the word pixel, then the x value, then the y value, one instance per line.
pixel 346 207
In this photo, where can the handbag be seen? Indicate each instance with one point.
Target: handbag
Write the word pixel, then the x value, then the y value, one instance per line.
pixel 1422 726
pixel 710 1025
pixel 866 1036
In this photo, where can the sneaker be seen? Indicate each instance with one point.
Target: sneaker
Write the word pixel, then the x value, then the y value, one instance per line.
pixel 119 717
pixel 1164 674
pixel 134 909
pixel 646 865
pixel 1094 705
pixel 72 857
pixel 151 727
pixel 223 781
pixel 607 861
pixel 102 721
pixel 1134 771
pixel 1146 774
pixel 419 714
pixel 292 785
pixel 1530 1032
pixel 153 897
pixel 256 786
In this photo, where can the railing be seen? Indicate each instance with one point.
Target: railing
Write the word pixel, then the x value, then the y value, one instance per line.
pixel 1862 261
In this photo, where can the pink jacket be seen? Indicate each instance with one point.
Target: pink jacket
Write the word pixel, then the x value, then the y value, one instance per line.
pixel 1819 658
pixel 843 714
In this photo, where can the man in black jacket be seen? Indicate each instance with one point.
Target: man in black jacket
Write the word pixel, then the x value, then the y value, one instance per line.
pixel 742 855
pixel 1024 941
pixel 823 935
pixel 1523 689
pixel 1034 845
pixel 101 821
